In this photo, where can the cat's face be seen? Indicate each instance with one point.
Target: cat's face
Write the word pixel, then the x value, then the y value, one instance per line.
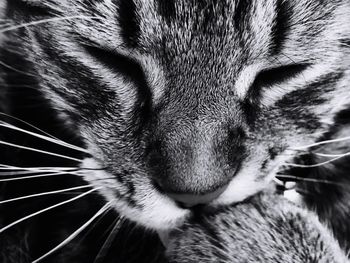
pixel 189 98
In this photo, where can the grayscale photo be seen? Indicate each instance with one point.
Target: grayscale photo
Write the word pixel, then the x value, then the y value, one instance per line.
pixel 174 131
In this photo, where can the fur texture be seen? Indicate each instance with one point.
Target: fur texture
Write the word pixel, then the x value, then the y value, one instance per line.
pixel 267 228
pixel 186 97
pixel 171 97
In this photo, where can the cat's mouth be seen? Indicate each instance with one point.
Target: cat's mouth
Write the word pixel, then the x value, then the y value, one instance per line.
pixel 190 200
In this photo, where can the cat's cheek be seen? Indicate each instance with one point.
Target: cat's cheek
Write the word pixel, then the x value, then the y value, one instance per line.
pixel 248 181
pixel 148 208
pixel 244 185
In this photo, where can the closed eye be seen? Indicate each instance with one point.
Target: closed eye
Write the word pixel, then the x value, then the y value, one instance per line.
pixel 117 62
pixel 273 76
pixel 129 68
pixel 278 75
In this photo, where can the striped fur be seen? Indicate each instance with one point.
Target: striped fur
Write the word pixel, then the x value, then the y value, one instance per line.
pixel 265 229
pixel 186 96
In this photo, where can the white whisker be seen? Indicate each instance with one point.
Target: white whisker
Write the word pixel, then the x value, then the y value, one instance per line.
pixel 38 169
pixel 29 177
pixel 312 180
pixel 46 209
pixel 43 21
pixel 109 241
pixel 45 193
pixel 39 151
pixel 43 137
pixel 19 173
pixel 321 143
pixel 75 233
pixel 317 164
pixel 8 170
pixel 27 123
pixel 331 155
pixel 37 176
pixel 14 69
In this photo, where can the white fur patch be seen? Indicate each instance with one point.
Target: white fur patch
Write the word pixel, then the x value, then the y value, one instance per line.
pixel 245 183
pixel 293 196
pixel 157 212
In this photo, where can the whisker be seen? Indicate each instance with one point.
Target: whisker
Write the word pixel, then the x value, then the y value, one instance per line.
pixel 37 172
pixel 109 241
pixel 317 164
pixel 77 244
pixel 321 143
pixel 312 180
pixel 46 209
pixel 36 176
pixel 39 151
pixel 14 170
pixel 14 69
pixel 48 169
pixel 19 173
pixel 39 169
pixel 27 123
pixel 75 233
pixel 43 137
pixel 43 21
pixel 45 193
pixel 331 155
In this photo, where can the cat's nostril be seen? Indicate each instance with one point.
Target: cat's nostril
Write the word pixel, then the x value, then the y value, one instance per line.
pixel 189 200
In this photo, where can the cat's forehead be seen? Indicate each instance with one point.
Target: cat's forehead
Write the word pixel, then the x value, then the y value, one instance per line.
pixel 196 23
pixel 199 34
pixel 232 24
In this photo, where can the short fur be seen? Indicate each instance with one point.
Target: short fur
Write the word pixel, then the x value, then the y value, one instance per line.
pixel 174 97
pixel 267 228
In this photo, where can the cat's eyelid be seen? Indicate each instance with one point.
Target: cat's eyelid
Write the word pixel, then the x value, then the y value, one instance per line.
pixel 260 75
pixel 246 78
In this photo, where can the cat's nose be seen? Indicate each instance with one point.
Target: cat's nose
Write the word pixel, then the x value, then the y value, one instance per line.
pixel 188 200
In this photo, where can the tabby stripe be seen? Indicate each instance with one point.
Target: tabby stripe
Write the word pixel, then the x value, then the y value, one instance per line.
pixel 242 9
pixel 129 22
pixel 89 3
pixel 274 76
pixel 280 26
pixel 214 239
pixel 242 13
pixel 87 91
pixel 266 79
pixel 131 70
pixel 343 117
pixel 312 93
pixel 127 67
pixel 29 9
pixel 166 9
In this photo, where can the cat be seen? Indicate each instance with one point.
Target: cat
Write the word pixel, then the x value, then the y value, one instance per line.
pixel 167 105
